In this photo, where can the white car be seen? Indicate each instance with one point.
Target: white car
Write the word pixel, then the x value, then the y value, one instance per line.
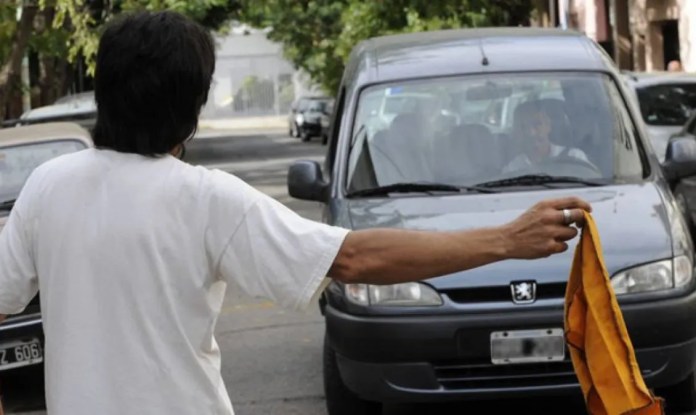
pixel 666 101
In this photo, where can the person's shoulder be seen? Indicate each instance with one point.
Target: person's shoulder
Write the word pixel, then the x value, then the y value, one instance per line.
pixel 215 184
pixel 517 162
pixel 66 160
pixel 52 168
pixel 211 179
pixel 577 153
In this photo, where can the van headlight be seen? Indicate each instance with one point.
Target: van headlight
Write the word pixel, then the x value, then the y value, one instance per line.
pixel 656 276
pixel 410 294
pixel 299 118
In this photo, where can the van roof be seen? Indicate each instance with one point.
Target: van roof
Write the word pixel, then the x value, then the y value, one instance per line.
pixel 461 51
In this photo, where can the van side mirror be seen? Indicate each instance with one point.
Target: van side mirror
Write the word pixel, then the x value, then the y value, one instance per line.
pixel 306 181
pixel 680 160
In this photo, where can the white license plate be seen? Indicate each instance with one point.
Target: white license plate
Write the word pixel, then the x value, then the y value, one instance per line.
pixel 527 346
pixel 20 353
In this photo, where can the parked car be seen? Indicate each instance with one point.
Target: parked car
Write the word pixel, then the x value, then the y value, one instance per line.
pixel 78 108
pixel 685 189
pixel 666 100
pixel 22 149
pixel 309 117
pixel 480 333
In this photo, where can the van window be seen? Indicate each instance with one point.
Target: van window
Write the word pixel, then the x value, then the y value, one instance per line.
pixel 471 129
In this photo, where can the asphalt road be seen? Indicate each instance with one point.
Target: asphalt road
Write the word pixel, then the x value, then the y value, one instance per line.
pixel 272 357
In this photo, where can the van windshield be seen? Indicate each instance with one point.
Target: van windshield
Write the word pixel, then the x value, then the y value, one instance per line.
pixel 475 129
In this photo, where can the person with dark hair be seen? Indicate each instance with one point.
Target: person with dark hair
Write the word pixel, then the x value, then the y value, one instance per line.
pixel 152 78
pixel 131 248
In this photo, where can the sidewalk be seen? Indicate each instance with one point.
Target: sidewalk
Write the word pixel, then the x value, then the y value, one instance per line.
pixel 266 124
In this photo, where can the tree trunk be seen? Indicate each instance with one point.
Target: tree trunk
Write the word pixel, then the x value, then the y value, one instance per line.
pixel 49 82
pixel 13 66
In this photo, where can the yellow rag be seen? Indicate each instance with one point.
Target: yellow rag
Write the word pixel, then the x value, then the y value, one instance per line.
pixel 600 348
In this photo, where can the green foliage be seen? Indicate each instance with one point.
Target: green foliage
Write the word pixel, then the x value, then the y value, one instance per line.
pixel 8 23
pixel 318 35
pixel 87 23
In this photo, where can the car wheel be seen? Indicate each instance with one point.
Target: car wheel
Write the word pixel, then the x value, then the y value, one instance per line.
pixel 682 396
pixel 324 139
pixel 339 399
pixel 305 136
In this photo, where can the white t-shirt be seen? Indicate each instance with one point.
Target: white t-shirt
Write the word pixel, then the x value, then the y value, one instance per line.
pixel 131 255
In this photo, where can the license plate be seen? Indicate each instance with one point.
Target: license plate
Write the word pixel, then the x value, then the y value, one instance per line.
pixel 527 346
pixel 20 353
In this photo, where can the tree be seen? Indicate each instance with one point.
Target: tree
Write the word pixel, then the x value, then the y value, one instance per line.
pixel 12 62
pixel 88 18
pixel 318 35
pixel 59 32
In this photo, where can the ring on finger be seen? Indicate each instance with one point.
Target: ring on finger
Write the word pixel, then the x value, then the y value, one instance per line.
pixel 567 218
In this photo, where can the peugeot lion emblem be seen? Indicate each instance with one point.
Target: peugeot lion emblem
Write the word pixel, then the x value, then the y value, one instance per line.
pixel 523 292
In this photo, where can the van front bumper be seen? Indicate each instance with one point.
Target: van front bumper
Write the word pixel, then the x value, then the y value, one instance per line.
pixel 429 358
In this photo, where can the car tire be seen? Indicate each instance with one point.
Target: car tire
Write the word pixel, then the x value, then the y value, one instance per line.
pixel 305 136
pixel 339 399
pixel 682 396
pixel 324 139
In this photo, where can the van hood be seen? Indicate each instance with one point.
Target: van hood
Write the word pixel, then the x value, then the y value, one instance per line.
pixel 632 220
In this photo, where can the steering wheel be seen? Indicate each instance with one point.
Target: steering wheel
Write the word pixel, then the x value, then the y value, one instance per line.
pixel 570 166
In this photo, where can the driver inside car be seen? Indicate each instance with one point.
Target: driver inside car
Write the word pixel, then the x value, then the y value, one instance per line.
pixel 532 127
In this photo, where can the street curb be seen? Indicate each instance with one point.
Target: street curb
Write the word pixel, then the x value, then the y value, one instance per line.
pixel 245 124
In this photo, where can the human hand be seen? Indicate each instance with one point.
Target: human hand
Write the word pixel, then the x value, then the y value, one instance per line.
pixel 544 229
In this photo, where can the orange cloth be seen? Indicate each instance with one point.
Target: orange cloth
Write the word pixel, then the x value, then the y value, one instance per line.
pixel 601 350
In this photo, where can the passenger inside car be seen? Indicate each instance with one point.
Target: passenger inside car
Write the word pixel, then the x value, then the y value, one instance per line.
pixel 533 127
pixel 454 158
pixel 401 150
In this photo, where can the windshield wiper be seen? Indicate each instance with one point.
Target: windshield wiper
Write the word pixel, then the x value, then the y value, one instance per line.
pixel 538 179
pixel 417 188
pixel 7 204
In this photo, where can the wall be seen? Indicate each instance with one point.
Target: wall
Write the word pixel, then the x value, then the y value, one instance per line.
pixel 646 17
pixel 687 34
pixel 251 77
pixel 589 17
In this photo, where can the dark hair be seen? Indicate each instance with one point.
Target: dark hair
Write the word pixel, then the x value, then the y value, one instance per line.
pixel 152 77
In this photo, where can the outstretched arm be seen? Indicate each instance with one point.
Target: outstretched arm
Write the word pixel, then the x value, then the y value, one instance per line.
pixel 389 256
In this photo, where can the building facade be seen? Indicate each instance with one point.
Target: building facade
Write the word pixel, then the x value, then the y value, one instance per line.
pixel 642 35
pixel 251 77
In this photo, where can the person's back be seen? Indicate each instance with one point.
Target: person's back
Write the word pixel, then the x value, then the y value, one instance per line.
pixel 149 318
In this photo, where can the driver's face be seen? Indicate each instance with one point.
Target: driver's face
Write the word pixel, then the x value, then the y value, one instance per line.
pixel 535 130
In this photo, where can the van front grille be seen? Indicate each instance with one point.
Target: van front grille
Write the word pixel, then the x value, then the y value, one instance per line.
pixel 501 293
pixel 482 375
